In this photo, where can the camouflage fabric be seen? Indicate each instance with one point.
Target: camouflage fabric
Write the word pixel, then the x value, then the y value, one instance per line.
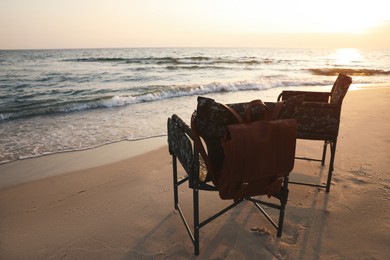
pixel 318 120
pixel 291 107
pixel 180 145
pixel 309 96
pixel 212 118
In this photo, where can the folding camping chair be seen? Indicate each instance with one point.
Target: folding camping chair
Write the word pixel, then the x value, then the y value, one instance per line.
pixel 318 118
pixel 210 121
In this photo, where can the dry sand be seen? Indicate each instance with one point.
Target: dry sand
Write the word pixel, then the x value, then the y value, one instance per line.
pixel 119 208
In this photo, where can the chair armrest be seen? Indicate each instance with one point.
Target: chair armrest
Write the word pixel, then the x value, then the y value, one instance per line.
pixel 310 96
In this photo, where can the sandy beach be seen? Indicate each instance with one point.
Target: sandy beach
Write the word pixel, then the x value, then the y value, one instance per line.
pixel 116 202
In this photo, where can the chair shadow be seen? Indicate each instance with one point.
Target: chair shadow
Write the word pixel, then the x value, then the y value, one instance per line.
pixel 318 210
pixel 230 236
pixel 235 240
pixel 159 242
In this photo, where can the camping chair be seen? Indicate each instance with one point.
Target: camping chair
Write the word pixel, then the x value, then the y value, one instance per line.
pixel 318 118
pixel 210 120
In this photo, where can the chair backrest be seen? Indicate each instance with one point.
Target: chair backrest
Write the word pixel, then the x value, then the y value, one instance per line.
pixel 340 88
pixel 211 119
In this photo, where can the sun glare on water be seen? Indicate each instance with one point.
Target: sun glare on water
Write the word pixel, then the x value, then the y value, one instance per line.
pixel 347 56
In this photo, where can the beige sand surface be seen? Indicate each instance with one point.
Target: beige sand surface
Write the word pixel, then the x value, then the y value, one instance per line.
pixel 56 164
pixel 124 209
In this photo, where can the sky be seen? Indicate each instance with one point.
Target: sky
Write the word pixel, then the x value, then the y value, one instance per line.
pixel 54 24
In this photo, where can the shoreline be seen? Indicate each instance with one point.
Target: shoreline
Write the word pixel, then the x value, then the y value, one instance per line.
pixel 46 165
pixel 24 148
pixel 121 206
pixel 13 173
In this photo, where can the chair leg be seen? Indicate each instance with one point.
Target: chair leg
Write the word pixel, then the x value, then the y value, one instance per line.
pixel 283 202
pixel 196 220
pixel 324 153
pixel 330 172
pixel 175 184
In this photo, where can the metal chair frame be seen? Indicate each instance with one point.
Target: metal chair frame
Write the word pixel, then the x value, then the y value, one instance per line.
pixel 319 101
pixel 179 136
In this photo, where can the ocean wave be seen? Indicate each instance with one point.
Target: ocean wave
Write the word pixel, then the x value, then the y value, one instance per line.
pixel 195 67
pixel 149 94
pixel 195 60
pixel 348 71
pixel 153 93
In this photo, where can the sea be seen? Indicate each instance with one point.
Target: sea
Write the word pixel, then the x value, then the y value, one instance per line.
pixel 54 101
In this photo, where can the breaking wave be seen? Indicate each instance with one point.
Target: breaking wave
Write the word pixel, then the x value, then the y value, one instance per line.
pixel 348 71
pixel 151 94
